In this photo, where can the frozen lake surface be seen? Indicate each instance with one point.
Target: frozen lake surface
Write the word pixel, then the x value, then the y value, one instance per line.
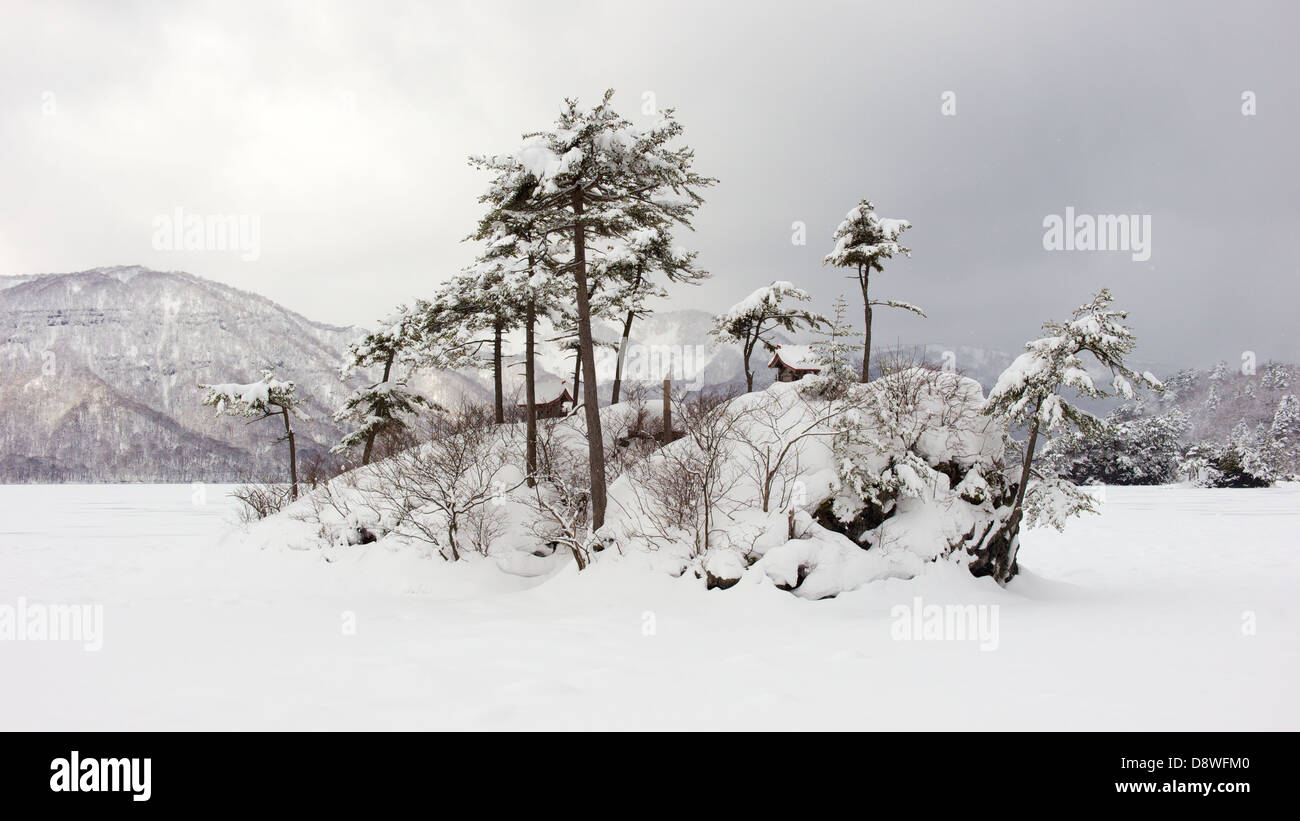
pixel 1176 608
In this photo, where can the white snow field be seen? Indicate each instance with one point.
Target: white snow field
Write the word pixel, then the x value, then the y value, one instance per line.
pixel 1139 618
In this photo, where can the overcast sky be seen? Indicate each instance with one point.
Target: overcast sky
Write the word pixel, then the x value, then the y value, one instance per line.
pixel 344 128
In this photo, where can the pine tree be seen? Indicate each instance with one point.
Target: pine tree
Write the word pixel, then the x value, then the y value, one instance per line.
pixel 595 175
pixel 528 266
pixel 863 241
pixel 1130 449
pixel 1286 420
pixel 834 349
pixel 264 399
pixel 633 263
pixel 378 409
pixel 751 321
pixel 1028 392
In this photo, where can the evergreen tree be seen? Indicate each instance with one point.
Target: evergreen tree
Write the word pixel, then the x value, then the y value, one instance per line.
pixel 595 175
pixel 1129 449
pixel 751 321
pixel 633 263
pixel 835 349
pixel 863 241
pixel 264 399
pixel 527 271
pixel 378 409
pixel 1286 421
pixel 1028 393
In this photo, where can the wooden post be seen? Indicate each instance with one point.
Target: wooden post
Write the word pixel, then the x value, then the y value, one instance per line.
pixel 668 411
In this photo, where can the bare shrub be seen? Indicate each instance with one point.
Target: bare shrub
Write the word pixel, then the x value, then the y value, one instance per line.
pixel 688 485
pixel 773 439
pixel 562 493
pixel 427 491
pixel 261 499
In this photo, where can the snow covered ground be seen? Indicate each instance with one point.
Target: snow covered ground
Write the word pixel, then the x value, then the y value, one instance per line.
pixel 1138 618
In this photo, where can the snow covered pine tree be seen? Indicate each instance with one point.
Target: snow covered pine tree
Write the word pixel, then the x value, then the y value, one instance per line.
pixel 378 409
pixel 1027 393
pixel 263 399
pixel 751 321
pixel 863 241
pixel 594 174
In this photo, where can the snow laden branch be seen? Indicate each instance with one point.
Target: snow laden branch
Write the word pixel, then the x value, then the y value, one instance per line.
pixel 1028 394
pixel 259 400
pixel 381 409
pixel 863 241
pixel 751 321
pixel 596 178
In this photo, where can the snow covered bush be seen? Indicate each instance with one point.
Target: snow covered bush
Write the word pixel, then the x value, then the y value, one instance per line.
pixel 689 486
pixel 819 495
pixel 260 499
pixel 919 468
pixel 1247 459
pixel 1127 450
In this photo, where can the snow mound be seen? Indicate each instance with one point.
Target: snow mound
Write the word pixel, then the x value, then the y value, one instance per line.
pixel 781 487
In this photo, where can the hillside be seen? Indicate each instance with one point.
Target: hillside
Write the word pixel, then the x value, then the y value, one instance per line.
pixel 99 372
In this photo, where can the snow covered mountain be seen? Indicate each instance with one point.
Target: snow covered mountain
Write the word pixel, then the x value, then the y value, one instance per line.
pixel 99 372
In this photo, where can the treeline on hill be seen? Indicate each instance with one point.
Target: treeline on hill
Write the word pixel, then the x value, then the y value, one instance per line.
pixel 1221 428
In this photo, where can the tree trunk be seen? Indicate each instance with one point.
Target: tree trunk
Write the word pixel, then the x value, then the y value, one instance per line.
pixel 667 436
pixel 370 440
pixel 622 352
pixel 530 388
pixel 864 278
pixel 996 555
pixel 595 438
pixel 577 377
pixel 293 456
pixel 451 538
pixel 498 397
pixel 1017 508
pixel 749 375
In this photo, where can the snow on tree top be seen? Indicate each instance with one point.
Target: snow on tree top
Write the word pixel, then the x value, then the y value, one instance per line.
pixel 761 297
pixel 864 237
pixel 265 396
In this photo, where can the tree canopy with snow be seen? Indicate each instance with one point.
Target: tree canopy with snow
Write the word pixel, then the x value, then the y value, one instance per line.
pixel 751 321
pixel 834 349
pixel 1028 393
pixel 863 241
pixel 594 174
pixel 633 261
pixel 258 400
pixel 379 408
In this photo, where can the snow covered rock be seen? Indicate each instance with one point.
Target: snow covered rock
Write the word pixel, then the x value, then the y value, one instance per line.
pixel 722 569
